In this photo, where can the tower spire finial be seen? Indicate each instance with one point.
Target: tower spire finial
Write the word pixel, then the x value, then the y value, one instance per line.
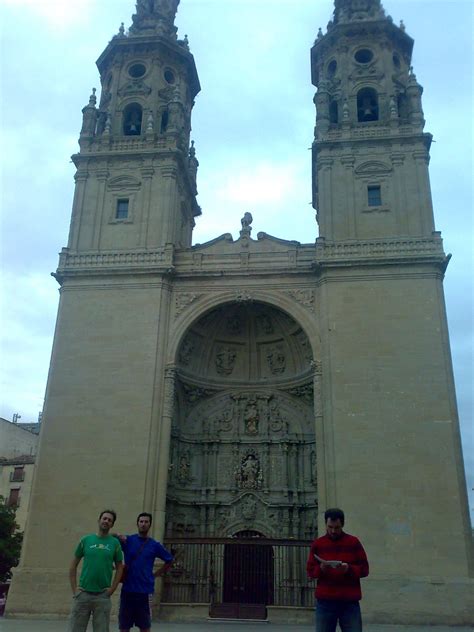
pixel 155 16
pixel 352 10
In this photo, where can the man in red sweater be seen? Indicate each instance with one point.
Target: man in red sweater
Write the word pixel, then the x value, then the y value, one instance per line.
pixel 338 561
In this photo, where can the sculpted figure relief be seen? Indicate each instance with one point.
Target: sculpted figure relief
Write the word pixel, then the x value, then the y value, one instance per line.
pixel 249 475
pixel 276 360
pixel 251 418
pixel 225 360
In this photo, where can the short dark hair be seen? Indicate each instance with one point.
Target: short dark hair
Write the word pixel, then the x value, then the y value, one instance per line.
pixel 144 514
pixel 334 514
pixel 109 511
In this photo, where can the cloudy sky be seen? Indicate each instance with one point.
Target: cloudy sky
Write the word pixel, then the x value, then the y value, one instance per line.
pixel 252 124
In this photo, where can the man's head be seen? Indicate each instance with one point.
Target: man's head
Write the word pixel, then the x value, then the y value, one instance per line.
pixel 107 518
pixel 144 521
pixel 334 519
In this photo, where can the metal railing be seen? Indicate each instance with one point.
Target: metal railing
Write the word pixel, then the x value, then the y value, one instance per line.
pixel 225 570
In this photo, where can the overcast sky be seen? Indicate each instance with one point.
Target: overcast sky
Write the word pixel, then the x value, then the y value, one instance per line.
pixel 253 125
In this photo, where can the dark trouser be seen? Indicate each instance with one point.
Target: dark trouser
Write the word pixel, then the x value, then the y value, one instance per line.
pixel 84 604
pixel 134 610
pixel 329 613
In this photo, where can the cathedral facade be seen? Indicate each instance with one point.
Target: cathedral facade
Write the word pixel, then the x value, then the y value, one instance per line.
pixel 242 387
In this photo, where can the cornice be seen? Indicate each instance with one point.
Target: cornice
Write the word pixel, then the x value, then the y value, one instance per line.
pixel 297 260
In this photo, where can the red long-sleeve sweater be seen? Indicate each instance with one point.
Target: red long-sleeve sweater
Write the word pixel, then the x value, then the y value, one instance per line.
pixel 334 583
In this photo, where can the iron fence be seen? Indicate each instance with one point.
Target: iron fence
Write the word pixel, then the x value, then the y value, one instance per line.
pixel 231 570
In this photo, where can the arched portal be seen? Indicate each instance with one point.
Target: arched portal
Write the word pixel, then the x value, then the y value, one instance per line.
pixel 243 453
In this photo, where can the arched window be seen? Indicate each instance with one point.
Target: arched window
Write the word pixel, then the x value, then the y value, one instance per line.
pixel 132 120
pixel 164 121
pixel 333 113
pixel 367 105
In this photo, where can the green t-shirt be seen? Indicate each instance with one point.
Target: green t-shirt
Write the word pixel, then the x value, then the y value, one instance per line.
pixel 98 564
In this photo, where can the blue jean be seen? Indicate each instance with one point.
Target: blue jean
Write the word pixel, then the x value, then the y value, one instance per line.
pixel 329 612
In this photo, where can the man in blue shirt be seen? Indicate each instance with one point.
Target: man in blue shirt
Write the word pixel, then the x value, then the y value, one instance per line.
pixel 140 554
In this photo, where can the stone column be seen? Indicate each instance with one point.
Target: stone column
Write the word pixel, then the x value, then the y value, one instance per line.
pixel 325 213
pixel 398 198
pixel 102 175
pixel 421 159
pixel 164 451
pixel 77 207
pixel 147 175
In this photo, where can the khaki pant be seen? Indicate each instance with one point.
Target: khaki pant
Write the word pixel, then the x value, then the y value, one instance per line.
pixel 83 605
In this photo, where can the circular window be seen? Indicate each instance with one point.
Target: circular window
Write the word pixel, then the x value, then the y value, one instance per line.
pixel 363 56
pixel 332 67
pixel 137 70
pixel 169 76
pixel 396 60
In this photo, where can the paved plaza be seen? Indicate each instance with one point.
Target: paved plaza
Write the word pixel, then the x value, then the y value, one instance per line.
pixel 36 625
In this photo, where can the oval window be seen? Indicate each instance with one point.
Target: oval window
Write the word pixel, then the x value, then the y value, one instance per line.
pixel 363 56
pixel 169 76
pixel 137 70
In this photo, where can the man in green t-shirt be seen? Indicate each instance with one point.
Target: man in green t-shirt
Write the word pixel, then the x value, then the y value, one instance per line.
pixel 100 553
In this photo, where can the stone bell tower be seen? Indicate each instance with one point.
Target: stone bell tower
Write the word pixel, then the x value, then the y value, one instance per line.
pixel 136 172
pixel 393 452
pixel 370 176
pixel 134 205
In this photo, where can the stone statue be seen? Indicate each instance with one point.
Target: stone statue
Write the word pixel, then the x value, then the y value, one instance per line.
pixel 246 220
pixel 249 475
pixel 251 418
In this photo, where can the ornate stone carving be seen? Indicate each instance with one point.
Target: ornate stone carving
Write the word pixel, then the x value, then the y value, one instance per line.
pixel 242 296
pixel 249 473
pixel 305 297
pixel 264 324
pixel 184 299
pixel 277 424
pixel 134 87
pixel 224 422
pixel 305 391
pixel 225 360
pixel 223 518
pixel 251 417
pixel 186 351
pixel 193 394
pixel 276 359
pixel 249 507
pixel 184 469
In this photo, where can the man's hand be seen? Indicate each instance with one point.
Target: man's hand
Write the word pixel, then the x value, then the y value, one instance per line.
pixel 162 570
pixel 345 567
pixel 73 574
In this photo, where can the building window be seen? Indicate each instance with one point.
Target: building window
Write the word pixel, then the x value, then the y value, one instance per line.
pixel 367 105
pixel 14 498
pixel 121 212
pixel 132 120
pixel 374 195
pixel 333 113
pixel 18 474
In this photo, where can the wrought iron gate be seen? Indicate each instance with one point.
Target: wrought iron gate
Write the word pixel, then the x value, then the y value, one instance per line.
pixel 238 577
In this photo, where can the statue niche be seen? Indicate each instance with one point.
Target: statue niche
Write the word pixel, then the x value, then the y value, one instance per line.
pixel 249 472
